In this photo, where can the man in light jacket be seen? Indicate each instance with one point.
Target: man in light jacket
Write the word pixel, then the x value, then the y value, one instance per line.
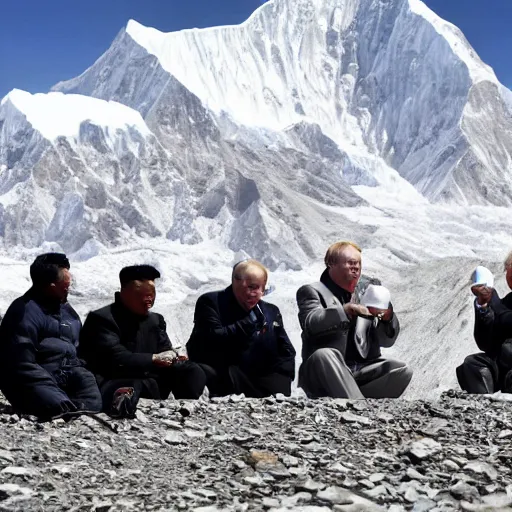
pixel 341 338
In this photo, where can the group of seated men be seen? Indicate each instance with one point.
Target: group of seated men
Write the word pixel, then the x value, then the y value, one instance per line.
pixel 51 366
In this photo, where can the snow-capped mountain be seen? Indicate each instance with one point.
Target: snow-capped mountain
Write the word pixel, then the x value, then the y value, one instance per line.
pixel 384 80
pixel 201 133
pixel 313 121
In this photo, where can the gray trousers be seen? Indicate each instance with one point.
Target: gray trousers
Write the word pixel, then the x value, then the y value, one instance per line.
pixel 325 373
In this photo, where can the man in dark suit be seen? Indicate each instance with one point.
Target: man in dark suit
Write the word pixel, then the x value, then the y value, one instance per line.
pixel 341 338
pixel 128 348
pixel 40 373
pixel 240 340
pixel 490 370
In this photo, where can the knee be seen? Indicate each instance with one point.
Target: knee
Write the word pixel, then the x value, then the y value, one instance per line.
pixel 197 372
pixel 506 353
pixel 322 355
pixel 399 380
pixel 470 360
pixel 195 380
pixel 478 360
pixel 407 374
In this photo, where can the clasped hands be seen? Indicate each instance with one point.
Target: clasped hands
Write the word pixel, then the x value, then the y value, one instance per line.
pixel 168 358
pixel 353 310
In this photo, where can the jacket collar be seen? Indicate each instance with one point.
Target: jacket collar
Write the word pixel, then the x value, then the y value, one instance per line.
pixel 235 306
pixel 48 304
pixel 126 313
pixel 341 294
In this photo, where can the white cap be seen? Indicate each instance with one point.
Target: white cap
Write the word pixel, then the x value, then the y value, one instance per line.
pixel 482 276
pixel 377 297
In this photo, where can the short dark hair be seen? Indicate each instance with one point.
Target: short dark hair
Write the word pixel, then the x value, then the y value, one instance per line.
pixel 46 268
pixel 138 273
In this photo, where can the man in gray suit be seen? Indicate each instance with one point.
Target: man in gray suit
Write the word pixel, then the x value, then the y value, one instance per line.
pixel 341 338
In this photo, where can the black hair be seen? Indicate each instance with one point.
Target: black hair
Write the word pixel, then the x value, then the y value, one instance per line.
pixel 138 273
pixel 46 268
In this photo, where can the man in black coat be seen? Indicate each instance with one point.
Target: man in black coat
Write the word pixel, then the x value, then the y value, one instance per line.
pixel 128 348
pixel 40 373
pixel 490 370
pixel 240 340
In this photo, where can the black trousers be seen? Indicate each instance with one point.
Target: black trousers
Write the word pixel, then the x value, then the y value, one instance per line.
pixel 81 387
pixel 78 392
pixel 232 380
pixel 481 374
pixel 186 380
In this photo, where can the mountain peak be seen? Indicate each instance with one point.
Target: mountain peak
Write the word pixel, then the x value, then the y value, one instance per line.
pixel 478 70
pixel 56 114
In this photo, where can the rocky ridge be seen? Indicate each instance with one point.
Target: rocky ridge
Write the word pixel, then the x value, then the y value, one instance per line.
pixel 275 454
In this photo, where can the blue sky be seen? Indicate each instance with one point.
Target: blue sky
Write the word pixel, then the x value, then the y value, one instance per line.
pixel 43 42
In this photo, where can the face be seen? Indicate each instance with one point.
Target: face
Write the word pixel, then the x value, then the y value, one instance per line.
pixel 139 296
pixel 347 271
pixel 249 289
pixel 60 289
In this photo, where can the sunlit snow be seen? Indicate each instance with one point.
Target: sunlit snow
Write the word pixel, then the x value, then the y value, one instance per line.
pixel 56 114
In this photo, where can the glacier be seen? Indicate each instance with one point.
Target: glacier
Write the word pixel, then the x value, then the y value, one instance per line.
pixel 312 121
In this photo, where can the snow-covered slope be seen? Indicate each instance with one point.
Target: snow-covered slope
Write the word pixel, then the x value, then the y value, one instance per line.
pixel 57 114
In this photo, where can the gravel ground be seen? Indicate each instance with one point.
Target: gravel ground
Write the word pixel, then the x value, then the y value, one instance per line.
pixel 274 454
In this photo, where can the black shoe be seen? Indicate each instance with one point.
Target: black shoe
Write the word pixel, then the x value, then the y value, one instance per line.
pixel 123 404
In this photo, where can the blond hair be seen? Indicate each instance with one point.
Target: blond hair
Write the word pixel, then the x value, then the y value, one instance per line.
pixel 333 254
pixel 245 267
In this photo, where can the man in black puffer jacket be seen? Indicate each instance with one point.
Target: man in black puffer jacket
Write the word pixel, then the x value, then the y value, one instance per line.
pixel 128 348
pixel 240 340
pixel 40 372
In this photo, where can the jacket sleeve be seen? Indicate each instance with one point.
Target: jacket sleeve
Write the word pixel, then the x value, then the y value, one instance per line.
pixel 502 315
pixel 286 363
pixel 314 318
pixel 386 333
pixel 100 341
pixel 21 372
pixel 209 328
pixel 164 343
pixel 483 330
pixel 492 324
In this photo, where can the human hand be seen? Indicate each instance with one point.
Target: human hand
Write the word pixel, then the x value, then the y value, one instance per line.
pixel 167 358
pixel 353 310
pixel 482 293
pixel 252 323
pixel 381 314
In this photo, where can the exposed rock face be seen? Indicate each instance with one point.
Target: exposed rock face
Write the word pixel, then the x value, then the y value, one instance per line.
pixel 273 454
